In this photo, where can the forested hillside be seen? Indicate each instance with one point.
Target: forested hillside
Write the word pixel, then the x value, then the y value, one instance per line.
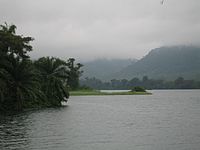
pixel 166 63
pixel 103 68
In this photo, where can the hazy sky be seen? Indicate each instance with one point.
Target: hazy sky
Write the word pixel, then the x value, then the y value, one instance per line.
pixel 89 29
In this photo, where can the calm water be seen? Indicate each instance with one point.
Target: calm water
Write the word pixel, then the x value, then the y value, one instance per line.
pixel 166 120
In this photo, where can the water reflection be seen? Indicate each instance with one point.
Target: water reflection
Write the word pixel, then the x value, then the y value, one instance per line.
pixel 14 132
pixel 37 129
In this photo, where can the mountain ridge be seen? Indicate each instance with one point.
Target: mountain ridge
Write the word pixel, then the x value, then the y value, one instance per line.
pixel 165 63
pixel 102 68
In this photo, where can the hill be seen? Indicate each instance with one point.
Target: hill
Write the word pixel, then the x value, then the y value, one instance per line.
pixel 102 68
pixel 165 63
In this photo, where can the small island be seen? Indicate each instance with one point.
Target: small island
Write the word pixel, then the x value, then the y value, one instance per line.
pixel 91 92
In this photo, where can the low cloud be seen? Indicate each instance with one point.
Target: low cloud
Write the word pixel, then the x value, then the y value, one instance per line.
pixel 92 29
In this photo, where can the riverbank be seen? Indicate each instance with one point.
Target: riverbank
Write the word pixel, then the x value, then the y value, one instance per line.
pixel 97 92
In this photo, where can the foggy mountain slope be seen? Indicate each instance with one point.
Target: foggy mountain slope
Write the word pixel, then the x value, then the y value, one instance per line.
pixel 102 68
pixel 166 63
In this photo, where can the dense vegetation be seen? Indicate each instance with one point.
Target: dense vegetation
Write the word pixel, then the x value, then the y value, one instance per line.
pixel 179 83
pixel 25 83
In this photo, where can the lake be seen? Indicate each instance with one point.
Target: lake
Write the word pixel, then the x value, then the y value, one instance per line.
pixel 166 120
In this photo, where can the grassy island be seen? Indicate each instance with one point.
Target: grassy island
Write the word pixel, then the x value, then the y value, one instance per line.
pixel 97 92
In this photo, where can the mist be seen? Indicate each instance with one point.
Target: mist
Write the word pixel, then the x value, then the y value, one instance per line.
pixel 93 29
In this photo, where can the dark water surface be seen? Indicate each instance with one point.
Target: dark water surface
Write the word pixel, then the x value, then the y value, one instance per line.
pixel 166 120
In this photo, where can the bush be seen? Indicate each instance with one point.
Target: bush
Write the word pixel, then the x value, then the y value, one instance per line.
pixel 84 87
pixel 138 89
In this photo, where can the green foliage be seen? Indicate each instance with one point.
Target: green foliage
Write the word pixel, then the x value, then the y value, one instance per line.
pixel 53 73
pixel 179 83
pixel 84 87
pixel 27 84
pixel 138 89
pixel 14 45
pixel 18 82
pixel 96 92
pixel 23 84
pixel 74 74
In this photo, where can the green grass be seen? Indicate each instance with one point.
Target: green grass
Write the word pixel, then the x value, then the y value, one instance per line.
pixel 96 92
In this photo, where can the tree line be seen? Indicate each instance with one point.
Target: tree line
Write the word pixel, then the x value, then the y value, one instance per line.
pixel 124 84
pixel 25 83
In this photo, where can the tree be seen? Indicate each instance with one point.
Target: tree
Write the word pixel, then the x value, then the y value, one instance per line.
pixel 54 74
pixel 73 74
pixel 17 79
pixel 145 79
pixel 22 84
pixel 179 82
pixel 134 82
pixel 14 45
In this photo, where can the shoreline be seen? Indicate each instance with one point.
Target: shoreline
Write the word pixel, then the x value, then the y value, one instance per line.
pixel 99 93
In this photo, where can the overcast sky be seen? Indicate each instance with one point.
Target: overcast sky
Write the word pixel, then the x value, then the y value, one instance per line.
pixel 89 29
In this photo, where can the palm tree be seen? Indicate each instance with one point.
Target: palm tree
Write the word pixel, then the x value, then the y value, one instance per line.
pixel 21 82
pixel 53 73
pixel 17 77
